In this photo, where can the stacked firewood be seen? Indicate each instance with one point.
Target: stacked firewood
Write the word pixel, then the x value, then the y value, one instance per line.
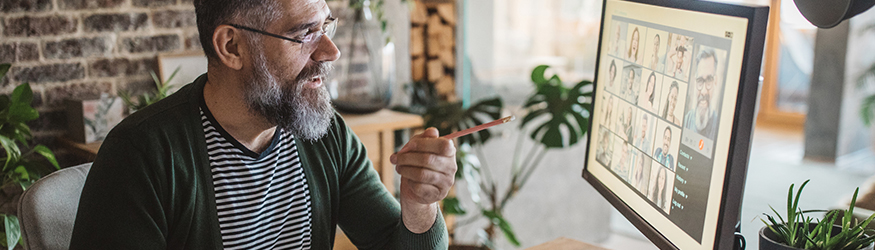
pixel 432 45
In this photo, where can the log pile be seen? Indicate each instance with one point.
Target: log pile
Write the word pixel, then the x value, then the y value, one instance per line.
pixel 433 45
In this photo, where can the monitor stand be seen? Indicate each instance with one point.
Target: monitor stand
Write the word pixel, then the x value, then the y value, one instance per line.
pixel 740 243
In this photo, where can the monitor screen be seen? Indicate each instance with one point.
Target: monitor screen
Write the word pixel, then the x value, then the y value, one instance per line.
pixel 674 101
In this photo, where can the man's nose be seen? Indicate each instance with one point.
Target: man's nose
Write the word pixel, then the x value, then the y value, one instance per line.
pixel 326 51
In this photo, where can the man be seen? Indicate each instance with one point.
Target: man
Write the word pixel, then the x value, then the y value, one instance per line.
pixel 643 142
pixel 661 154
pixel 252 156
pixel 703 118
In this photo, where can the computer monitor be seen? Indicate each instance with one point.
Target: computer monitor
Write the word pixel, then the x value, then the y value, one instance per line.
pixel 674 102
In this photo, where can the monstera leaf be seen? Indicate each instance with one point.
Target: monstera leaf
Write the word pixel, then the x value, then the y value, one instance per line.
pixel 452 117
pixel 567 109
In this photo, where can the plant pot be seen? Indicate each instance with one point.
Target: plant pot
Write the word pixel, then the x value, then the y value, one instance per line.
pixel 768 239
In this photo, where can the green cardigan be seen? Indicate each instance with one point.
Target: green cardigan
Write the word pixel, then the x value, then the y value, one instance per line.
pixel 150 187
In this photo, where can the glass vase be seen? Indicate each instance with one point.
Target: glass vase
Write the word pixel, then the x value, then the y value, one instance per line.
pixel 362 79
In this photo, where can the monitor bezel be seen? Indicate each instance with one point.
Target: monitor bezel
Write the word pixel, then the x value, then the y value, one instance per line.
pixel 742 125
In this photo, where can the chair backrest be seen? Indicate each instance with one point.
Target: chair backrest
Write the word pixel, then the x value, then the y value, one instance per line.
pixel 48 208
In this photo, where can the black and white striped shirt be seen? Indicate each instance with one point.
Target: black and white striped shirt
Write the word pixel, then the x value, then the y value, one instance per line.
pixel 262 200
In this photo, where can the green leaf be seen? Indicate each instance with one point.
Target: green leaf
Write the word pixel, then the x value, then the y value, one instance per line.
pixel 13 153
pixel 22 94
pixel 22 112
pixel 502 224
pixel 453 206
pixel 23 175
pixel 538 74
pixel 13 230
pixel 4 68
pixel 47 153
pixel 557 109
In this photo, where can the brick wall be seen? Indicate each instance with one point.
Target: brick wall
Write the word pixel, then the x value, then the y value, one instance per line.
pixel 78 49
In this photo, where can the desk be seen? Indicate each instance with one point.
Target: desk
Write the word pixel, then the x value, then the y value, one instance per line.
pixel 376 131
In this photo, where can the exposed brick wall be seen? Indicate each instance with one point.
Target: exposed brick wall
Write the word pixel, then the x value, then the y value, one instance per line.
pixel 78 49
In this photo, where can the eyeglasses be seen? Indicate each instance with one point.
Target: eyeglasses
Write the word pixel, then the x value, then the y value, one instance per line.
pixel 311 38
pixel 706 81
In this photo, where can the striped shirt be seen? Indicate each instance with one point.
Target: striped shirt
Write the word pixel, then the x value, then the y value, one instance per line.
pixel 262 200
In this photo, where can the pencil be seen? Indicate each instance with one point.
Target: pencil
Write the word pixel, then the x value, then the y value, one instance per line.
pixel 479 127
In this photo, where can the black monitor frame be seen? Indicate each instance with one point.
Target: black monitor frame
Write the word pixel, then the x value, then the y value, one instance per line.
pixel 742 125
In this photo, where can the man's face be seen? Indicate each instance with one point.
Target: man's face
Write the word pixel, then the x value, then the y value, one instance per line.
pixel 285 78
pixel 666 141
pixel 629 117
pixel 704 84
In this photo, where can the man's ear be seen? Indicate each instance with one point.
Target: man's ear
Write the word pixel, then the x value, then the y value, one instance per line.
pixel 229 46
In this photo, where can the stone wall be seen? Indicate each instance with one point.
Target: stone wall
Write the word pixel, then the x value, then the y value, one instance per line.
pixel 78 49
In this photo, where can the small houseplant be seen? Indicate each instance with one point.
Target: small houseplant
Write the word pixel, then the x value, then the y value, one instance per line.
pixel 22 165
pixel 162 90
pixel 795 230
pixel 557 116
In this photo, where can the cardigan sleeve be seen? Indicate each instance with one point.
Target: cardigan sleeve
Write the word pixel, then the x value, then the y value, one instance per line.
pixel 121 205
pixel 369 215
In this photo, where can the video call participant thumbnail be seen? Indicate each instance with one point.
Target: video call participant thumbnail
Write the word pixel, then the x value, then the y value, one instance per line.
pixel 702 118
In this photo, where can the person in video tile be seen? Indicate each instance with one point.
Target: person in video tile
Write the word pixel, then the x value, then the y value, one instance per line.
pixel 612 70
pixel 678 70
pixel 649 95
pixel 654 59
pixel 632 54
pixel 662 153
pixel 643 139
pixel 671 104
pixel 703 118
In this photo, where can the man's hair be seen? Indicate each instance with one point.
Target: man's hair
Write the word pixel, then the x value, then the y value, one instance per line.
pixel 212 13
pixel 667 128
pixel 707 53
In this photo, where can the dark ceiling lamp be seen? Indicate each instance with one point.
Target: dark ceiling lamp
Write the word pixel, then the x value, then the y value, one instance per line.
pixel 829 13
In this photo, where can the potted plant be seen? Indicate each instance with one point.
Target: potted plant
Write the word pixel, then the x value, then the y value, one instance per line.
pixel 837 230
pixel 162 90
pixel 22 165
pixel 556 117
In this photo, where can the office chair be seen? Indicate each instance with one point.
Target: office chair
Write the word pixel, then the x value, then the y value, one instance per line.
pixel 47 210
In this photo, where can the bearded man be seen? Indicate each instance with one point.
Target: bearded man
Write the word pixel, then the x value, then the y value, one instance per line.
pixel 251 155
pixel 703 117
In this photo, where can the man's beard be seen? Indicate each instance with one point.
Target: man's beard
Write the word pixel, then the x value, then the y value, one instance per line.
pixel 306 113
pixel 703 112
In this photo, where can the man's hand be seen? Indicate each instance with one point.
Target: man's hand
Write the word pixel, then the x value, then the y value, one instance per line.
pixel 427 165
